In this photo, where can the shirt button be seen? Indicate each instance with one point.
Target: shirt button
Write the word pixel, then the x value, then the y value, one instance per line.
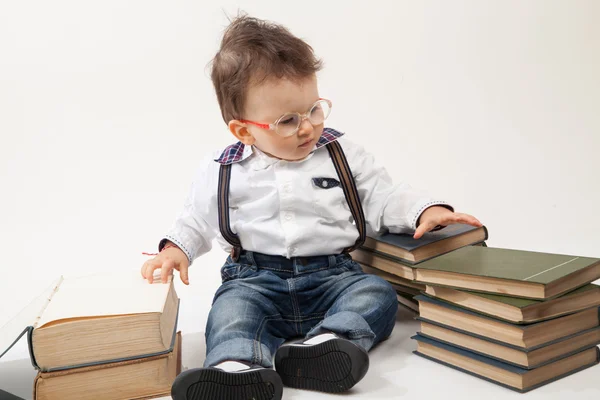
pixel 287 188
pixel 288 216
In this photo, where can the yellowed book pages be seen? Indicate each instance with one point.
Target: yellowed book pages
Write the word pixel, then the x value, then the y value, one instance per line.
pixel 117 293
pixel 108 317
pixel 134 379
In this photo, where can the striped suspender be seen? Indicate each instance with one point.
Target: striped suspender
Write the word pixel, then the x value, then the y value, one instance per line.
pixel 223 201
pixel 350 192
pixel 347 182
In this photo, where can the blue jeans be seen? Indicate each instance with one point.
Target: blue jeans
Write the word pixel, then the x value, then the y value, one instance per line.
pixel 265 300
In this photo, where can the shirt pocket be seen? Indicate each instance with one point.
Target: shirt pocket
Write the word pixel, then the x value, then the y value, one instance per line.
pixel 328 199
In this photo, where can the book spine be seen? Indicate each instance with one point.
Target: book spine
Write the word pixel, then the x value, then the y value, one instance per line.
pixel 30 347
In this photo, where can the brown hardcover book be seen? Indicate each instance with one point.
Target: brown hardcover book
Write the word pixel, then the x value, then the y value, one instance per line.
pixel 142 378
pixel 520 357
pixel 504 374
pixel 393 279
pixel 407 301
pixel 517 310
pixel 384 263
pixel 522 336
pixel 108 317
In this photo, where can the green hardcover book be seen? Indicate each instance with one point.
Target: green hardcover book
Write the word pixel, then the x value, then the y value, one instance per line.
pixel 510 272
pixel 518 310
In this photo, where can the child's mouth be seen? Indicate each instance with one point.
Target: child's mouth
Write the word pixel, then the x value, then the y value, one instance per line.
pixel 305 144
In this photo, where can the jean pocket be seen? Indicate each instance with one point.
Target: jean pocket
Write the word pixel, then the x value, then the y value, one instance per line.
pixel 236 271
pixel 350 265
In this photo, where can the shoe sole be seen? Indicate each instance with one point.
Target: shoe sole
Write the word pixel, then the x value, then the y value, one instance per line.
pixel 333 366
pixel 213 383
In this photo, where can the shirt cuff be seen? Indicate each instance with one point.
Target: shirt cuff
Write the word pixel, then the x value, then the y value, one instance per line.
pixel 178 243
pixel 418 209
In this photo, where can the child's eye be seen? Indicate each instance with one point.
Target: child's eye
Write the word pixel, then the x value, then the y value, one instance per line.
pixel 289 120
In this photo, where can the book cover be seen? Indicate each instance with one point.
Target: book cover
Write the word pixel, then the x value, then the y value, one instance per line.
pixel 4 395
pixel 495 363
pixel 408 243
pixel 517 265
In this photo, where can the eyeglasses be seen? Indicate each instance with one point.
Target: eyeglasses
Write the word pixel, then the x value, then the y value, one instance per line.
pixel 288 124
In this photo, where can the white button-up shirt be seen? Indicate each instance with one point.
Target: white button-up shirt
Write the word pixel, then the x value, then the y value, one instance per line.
pixel 277 207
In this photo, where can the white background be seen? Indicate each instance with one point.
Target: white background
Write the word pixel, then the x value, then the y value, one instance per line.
pixel 107 107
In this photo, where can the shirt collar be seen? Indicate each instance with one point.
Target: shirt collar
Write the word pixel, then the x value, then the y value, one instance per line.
pixel 239 152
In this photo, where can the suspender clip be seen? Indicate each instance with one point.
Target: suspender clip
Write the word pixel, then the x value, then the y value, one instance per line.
pixel 235 253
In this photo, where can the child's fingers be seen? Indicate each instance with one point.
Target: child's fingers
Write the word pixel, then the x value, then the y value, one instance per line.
pixel 423 228
pixel 148 269
pixel 166 270
pixel 183 274
pixel 143 270
pixel 467 219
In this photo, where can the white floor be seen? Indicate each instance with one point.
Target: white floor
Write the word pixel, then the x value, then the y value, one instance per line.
pixel 395 373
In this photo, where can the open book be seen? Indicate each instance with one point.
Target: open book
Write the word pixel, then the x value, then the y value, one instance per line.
pixel 96 319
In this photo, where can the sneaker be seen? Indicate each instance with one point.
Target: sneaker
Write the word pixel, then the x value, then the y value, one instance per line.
pixel 254 383
pixel 325 363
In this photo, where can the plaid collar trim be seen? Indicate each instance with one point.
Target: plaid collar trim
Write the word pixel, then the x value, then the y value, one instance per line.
pixel 239 152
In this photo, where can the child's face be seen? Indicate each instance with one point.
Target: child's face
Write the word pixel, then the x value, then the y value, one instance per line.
pixel 266 103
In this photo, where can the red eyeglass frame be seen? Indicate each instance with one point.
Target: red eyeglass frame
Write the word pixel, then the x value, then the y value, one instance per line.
pixel 274 124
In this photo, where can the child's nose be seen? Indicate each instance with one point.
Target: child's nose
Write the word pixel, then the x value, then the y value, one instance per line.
pixel 305 128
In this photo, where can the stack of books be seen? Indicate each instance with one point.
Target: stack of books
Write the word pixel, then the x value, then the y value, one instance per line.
pixel 395 257
pixel 106 336
pixel 406 290
pixel 516 318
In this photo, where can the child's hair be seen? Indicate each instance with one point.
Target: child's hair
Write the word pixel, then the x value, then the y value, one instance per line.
pixel 253 50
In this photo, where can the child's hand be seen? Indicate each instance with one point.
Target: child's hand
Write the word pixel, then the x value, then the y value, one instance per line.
pixel 167 260
pixel 437 215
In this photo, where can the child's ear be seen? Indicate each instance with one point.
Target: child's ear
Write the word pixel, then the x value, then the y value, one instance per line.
pixel 241 132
